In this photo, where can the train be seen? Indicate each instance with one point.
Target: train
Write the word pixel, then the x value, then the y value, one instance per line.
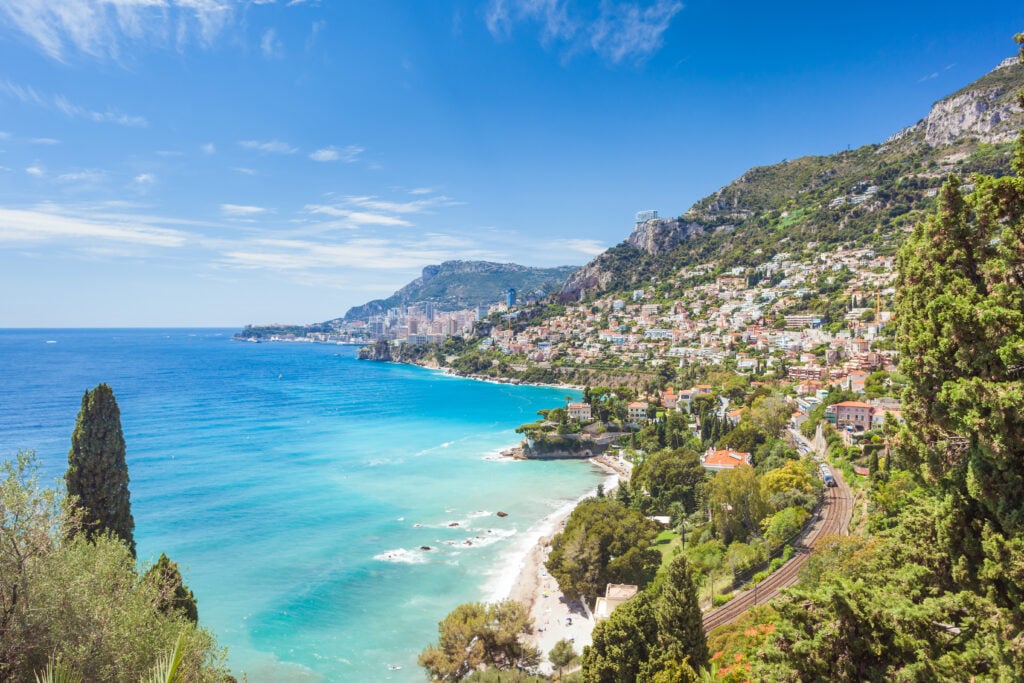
pixel 826 475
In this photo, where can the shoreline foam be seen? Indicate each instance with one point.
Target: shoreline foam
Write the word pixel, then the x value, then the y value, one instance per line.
pixel 526 579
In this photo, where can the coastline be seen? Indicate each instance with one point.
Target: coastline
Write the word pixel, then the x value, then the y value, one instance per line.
pixel 554 617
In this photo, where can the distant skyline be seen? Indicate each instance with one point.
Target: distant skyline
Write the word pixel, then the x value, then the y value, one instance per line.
pixel 223 162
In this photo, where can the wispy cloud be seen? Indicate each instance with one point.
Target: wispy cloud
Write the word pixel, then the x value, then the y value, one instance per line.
pixel 357 218
pixel 347 154
pixel 243 170
pixel 103 29
pixel 48 223
pixel 89 175
pixel 241 210
pixel 581 246
pixel 44 141
pixel 208 149
pixel 35 170
pixel 144 179
pixel 618 31
pixel 416 206
pixel 273 146
pixel 29 95
pixel 271 45
pixel 358 253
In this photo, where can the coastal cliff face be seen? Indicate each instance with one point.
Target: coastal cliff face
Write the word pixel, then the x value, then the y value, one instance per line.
pixel 987 110
pixel 660 236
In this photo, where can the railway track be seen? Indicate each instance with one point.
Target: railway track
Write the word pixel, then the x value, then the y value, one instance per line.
pixel 833 518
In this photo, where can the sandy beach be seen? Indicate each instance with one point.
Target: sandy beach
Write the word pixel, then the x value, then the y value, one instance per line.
pixel 555 617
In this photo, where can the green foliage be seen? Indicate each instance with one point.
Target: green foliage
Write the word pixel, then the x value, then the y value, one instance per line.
pixel 603 543
pixel 669 476
pixel 477 634
pixel 734 497
pixel 79 602
pixel 174 594
pixel 783 525
pixel 653 636
pixel 97 474
pixel 960 306
pixel 562 655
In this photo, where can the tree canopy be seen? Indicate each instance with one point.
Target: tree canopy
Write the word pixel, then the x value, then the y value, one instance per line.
pixel 603 542
pixel 474 635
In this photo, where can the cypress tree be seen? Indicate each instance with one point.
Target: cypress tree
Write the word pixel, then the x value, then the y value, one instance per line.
pixel 680 623
pixel 97 472
pixel 174 594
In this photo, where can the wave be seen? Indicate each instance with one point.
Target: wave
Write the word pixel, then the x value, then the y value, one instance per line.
pixel 482 540
pixel 402 556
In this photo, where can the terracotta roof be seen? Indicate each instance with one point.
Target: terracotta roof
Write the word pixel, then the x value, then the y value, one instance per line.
pixel 726 458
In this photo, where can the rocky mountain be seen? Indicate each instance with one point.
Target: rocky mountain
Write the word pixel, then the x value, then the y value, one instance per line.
pixel 866 196
pixel 455 285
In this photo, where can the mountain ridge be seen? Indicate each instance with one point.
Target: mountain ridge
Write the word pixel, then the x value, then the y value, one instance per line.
pixel 876 189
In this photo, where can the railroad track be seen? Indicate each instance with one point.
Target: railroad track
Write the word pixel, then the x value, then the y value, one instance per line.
pixel 834 518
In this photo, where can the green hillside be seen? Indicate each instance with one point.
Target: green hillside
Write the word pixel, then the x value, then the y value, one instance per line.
pixel 456 285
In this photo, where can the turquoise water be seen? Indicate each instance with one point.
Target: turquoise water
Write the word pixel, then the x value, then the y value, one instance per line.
pixel 296 485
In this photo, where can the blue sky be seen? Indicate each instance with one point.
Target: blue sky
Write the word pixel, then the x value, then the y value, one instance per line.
pixel 218 162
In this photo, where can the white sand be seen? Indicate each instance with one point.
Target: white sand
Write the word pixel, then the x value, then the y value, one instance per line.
pixel 535 587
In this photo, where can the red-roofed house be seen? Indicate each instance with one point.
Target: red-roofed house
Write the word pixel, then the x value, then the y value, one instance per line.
pixel 669 399
pixel 725 459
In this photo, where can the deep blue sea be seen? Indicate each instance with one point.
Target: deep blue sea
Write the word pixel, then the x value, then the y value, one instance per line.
pixel 295 485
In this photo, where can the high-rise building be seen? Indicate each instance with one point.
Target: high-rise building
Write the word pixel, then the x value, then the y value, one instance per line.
pixel 510 297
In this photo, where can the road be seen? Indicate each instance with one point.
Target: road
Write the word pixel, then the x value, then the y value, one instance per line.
pixel 833 518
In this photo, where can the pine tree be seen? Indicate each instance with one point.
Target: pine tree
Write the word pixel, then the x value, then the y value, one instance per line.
pixel 97 473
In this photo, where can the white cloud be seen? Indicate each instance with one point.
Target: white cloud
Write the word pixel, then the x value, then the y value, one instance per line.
pixel 29 95
pixel 417 206
pixel 35 170
pixel 44 141
pixel 103 29
pixel 357 218
pixel 421 190
pixel 616 30
pixel 88 175
pixel 144 179
pixel 582 246
pixel 48 223
pixel 243 170
pixel 271 45
pixel 4 135
pixel 275 146
pixel 347 154
pixel 208 149
pixel 362 253
pixel 241 210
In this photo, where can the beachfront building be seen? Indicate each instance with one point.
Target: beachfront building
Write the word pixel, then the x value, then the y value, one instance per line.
pixel 579 411
pixel 614 595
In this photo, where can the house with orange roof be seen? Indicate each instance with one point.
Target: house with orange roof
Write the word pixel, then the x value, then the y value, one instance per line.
pixel 724 459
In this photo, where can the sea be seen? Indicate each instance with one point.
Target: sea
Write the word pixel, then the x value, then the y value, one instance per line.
pixel 299 488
